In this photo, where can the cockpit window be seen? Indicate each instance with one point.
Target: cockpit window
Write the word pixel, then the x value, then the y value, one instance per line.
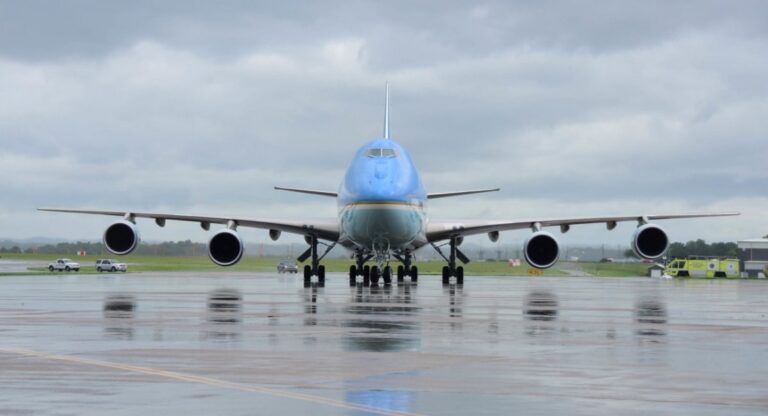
pixel 378 152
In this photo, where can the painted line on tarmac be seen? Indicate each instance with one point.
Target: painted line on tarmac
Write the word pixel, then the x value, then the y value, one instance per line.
pixel 190 378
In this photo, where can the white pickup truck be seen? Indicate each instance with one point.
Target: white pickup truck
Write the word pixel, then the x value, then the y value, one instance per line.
pixel 64 265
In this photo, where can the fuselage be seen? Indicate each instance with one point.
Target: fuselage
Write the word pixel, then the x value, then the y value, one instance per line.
pixel 381 200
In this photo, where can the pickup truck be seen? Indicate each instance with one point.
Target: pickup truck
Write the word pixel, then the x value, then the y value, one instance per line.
pixel 64 265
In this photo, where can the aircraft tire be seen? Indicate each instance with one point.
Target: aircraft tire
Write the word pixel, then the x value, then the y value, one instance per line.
pixel 446 275
pixel 414 274
pixel 352 276
pixel 307 275
pixel 459 275
pixel 321 276
pixel 374 275
pixel 387 276
pixel 400 274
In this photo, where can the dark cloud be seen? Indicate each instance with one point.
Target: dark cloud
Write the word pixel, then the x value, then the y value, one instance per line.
pixel 201 105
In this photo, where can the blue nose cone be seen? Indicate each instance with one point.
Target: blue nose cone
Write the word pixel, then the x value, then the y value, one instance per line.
pixel 381 171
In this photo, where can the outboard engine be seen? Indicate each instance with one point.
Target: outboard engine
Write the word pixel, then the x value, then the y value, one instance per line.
pixel 541 250
pixel 225 248
pixel 121 237
pixel 650 241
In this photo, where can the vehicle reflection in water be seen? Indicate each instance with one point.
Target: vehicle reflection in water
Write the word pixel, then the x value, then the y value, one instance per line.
pixel 651 318
pixel 385 320
pixel 224 315
pixel 119 312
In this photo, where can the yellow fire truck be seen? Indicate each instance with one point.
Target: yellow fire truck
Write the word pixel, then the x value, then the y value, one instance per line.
pixel 700 266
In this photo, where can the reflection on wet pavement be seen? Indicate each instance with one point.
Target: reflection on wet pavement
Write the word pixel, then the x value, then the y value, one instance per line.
pixel 243 344
pixel 380 319
pixel 118 316
pixel 223 315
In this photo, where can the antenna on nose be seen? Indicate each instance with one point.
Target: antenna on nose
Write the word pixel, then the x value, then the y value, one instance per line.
pixel 386 114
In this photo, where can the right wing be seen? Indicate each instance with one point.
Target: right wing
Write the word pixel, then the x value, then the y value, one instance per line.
pixel 326 230
pixel 443 230
pixel 457 193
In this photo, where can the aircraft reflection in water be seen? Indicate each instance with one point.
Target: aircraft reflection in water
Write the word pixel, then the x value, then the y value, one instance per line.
pixel 224 314
pixel 383 319
pixel 118 316
pixel 651 317
pixel 541 310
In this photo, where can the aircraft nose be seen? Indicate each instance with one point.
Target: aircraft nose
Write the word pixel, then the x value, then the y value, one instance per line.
pixel 381 171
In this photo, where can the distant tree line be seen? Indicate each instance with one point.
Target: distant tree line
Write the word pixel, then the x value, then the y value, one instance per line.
pixel 698 248
pixel 168 248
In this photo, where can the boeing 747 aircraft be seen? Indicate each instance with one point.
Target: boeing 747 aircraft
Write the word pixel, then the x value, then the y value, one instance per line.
pixel 382 216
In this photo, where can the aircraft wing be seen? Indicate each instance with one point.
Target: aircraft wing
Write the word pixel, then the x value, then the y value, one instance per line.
pixel 459 193
pixel 308 191
pixel 326 230
pixel 437 230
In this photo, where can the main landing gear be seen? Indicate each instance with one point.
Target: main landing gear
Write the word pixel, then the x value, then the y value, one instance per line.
pixel 451 270
pixel 315 269
pixel 406 269
pixel 373 274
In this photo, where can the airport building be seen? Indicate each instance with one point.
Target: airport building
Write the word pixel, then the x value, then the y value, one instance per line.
pixel 753 255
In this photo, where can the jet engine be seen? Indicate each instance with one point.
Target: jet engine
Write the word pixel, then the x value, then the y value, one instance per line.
pixel 650 241
pixel 121 238
pixel 225 248
pixel 541 250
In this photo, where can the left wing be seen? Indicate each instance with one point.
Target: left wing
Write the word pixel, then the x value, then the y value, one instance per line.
pixel 437 230
pixel 326 230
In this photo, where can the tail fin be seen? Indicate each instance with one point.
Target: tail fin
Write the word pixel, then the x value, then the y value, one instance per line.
pixel 386 114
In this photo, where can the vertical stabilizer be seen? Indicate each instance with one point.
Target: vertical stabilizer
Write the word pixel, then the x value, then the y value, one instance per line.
pixel 386 114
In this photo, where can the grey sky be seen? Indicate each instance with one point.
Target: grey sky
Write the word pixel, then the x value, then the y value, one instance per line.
pixel 573 108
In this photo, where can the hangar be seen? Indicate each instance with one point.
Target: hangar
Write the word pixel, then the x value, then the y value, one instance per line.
pixel 753 254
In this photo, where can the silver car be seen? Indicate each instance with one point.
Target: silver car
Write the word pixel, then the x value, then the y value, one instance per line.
pixel 109 265
pixel 287 266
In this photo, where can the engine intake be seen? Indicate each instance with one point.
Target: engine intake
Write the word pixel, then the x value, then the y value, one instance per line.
pixel 121 238
pixel 650 241
pixel 541 250
pixel 225 248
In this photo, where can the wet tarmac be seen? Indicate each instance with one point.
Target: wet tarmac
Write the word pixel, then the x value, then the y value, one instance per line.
pixel 238 344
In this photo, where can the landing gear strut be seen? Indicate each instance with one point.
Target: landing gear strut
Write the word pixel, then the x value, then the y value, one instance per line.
pixel 451 269
pixel 315 269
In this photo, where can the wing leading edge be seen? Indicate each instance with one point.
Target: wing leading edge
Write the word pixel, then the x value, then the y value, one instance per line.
pixel 326 230
pixel 438 230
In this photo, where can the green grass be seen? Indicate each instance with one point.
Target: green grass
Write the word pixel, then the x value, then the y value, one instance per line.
pixel 138 263
pixel 614 269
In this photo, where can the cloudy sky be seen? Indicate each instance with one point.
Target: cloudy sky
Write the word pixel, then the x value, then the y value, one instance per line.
pixel 572 108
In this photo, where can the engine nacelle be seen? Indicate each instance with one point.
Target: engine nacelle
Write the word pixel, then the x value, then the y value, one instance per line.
pixel 650 241
pixel 274 234
pixel 541 250
pixel 121 238
pixel 225 248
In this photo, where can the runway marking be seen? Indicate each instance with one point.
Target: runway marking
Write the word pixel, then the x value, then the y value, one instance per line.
pixel 190 378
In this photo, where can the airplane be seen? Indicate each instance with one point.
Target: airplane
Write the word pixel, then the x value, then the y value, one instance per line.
pixel 382 216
